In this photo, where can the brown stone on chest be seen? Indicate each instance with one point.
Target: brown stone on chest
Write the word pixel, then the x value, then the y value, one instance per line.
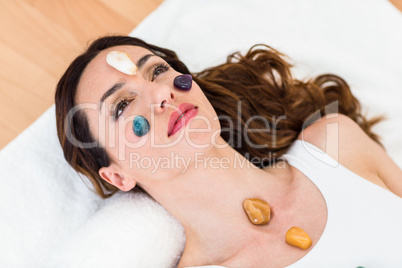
pixel 257 210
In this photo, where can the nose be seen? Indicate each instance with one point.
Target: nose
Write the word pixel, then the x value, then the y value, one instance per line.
pixel 162 97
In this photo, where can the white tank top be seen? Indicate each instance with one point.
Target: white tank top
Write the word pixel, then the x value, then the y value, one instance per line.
pixel 364 224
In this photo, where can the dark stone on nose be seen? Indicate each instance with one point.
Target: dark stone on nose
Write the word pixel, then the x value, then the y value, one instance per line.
pixel 183 82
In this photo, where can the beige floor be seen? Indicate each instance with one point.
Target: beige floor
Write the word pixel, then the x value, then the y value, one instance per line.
pixel 38 40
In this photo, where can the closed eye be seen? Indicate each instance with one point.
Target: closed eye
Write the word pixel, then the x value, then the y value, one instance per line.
pixel 159 69
pixel 120 107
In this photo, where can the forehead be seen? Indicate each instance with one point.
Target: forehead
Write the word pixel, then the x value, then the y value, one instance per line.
pixel 98 75
pixel 99 62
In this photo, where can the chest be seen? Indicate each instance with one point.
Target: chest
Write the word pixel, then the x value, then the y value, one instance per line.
pixel 308 211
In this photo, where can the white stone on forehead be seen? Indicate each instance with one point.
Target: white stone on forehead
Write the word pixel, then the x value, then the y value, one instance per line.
pixel 121 61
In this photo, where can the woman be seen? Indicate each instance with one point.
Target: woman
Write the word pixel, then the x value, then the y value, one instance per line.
pixel 197 168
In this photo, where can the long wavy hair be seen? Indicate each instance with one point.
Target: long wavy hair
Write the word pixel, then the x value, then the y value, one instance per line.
pixel 260 83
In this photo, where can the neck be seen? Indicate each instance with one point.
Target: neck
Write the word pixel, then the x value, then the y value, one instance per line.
pixel 207 199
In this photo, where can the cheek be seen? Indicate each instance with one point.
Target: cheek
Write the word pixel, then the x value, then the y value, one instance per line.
pixel 205 128
pixel 144 146
pixel 121 139
pixel 209 109
pixel 203 131
pixel 129 138
pixel 209 112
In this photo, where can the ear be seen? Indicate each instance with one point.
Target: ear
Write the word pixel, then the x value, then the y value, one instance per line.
pixel 115 178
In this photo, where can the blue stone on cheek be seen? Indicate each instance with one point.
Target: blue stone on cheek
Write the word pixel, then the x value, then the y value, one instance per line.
pixel 183 82
pixel 140 126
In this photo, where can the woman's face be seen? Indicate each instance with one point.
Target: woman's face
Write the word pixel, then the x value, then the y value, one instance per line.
pixel 111 100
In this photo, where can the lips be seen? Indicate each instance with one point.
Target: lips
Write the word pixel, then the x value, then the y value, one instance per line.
pixel 180 117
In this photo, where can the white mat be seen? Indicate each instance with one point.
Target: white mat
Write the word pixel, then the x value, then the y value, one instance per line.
pixel 49 217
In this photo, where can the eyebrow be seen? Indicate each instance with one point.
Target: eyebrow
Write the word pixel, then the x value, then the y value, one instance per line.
pixel 110 92
pixel 140 63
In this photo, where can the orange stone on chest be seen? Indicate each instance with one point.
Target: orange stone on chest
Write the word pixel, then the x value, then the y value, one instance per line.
pixel 298 237
pixel 257 210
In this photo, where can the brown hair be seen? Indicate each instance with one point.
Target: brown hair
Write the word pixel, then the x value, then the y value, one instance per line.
pixel 260 81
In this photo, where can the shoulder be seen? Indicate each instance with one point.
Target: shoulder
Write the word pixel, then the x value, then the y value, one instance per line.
pixel 343 139
pixel 340 137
